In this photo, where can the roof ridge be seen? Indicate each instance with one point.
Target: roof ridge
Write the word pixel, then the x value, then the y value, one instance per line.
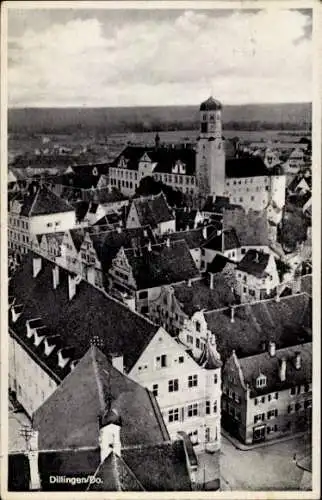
pixel 129 470
pixel 34 202
pixel 97 379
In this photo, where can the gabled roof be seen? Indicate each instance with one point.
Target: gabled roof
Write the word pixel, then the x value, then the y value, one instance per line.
pixel 152 210
pixel 199 296
pixel 185 218
pixel 194 237
pixel 166 158
pixel 287 322
pixel 162 265
pixel 114 239
pixel 77 235
pixel 90 313
pixel 44 202
pixel 115 475
pixel 69 418
pixel 227 240
pixel 218 264
pixel 269 366
pixel 208 359
pixel 254 263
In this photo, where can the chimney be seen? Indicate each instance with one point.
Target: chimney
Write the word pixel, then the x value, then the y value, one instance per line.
pixel 118 229
pixel 55 277
pixel 272 348
pixel 168 242
pixel 36 266
pixel 298 360
pixel 187 227
pixel 189 284
pixel 117 361
pixel 283 370
pixel 256 257
pixel 212 277
pixel 109 434
pixel 204 232
pixel 72 283
pixel 232 314
pixel 32 455
pixel 149 247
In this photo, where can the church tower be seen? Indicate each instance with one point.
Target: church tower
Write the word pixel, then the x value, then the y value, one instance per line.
pixel 210 156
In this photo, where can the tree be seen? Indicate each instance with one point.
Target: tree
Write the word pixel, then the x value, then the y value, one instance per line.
pixel 149 186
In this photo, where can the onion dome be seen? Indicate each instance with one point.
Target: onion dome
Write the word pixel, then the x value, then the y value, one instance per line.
pixel 210 104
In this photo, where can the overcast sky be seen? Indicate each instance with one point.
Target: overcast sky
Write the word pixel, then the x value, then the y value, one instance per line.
pixel 127 58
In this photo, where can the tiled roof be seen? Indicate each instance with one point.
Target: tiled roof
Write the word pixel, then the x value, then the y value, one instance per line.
pixel 185 218
pixel 218 264
pixel 166 158
pixel 251 227
pixel 269 366
pixel 252 166
pixel 199 296
pixel 90 313
pixel 115 475
pixel 152 210
pixel 132 154
pixel 44 202
pixel 287 322
pixel 194 237
pixel 162 265
pixel 69 417
pixel 227 240
pixel 306 284
pixel 126 238
pixel 160 466
pixel 77 236
pixel 254 263
pixel 106 197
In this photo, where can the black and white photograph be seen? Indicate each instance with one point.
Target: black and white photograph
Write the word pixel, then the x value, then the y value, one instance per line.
pixel 158 182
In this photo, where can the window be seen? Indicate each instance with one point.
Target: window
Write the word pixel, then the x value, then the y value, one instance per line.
pixel 143 295
pixel 193 410
pixel 306 388
pixel 155 388
pixel 173 415
pixel 292 391
pixel 298 406
pixel 289 409
pixel 263 399
pixel 261 381
pixel 269 397
pixel 207 434
pixel 215 378
pixel 144 310
pixel 240 199
pixel 189 339
pixel 272 414
pixel 308 403
pixel 198 343
pixel 173 385
pixel 207 407
pixel 161 361
pixel 215 407
pixel 192 380
pixel 181 359
pixel 276 395
pixel 258 418
pixel 197 326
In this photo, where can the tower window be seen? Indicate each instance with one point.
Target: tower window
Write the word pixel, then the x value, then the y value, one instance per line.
pixel 212 118
pixel 204 117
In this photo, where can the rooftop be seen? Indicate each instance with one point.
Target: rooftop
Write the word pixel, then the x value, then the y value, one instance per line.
pixel 43 202
pixel 193 237
pixel 226 240
pixel 254 263
pixel 199 296
pixel 153 210
pixel 77 321
pixel 162 265
pixel 287 322
pixel 269 366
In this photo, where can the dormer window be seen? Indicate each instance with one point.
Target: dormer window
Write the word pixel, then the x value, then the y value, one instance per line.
pixel 261 381
pixel 16 311
pixel 62 362
pixel 39 335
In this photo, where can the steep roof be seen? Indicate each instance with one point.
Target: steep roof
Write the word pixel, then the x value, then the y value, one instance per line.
pixel 252 166
pixel 113 240
pixel 166 158
pixel 115 475
pixel 132 155
pixel 92 387
pixel 77 235
pixel 152 210
pixel 194 237
pixel 44 202
pixel 199 296
pixel 287 322
pixel 219 205
pixel 218 264
pixel 90 313
pixel 227 240
pixel 269 366
pixel 162 265
pixel 185 218
pixel 254 263
pixel 208 359
pixel 210 104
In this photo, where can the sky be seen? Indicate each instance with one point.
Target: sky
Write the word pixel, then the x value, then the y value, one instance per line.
pixel 74 57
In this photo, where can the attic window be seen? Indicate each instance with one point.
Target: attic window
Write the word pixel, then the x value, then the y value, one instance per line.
pixel 261 381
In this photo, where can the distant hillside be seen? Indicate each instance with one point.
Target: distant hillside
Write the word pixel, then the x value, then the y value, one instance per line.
pixel 68 120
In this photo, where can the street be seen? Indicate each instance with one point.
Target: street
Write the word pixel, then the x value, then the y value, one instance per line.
pixel 269 468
